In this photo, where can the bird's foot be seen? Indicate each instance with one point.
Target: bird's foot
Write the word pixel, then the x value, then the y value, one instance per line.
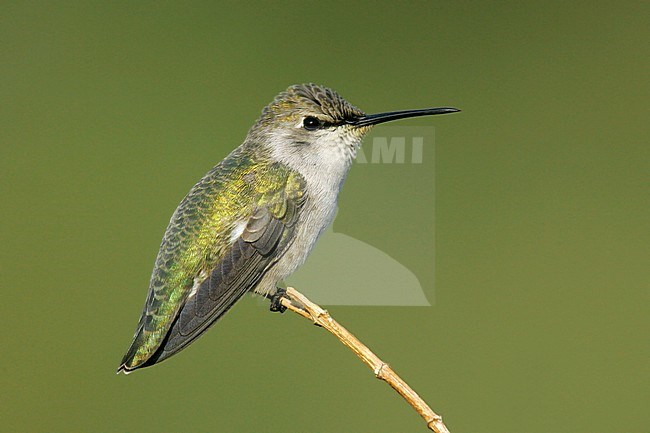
pixel 276 301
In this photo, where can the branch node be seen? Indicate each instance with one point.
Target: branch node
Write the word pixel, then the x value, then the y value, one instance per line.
pixel 379 370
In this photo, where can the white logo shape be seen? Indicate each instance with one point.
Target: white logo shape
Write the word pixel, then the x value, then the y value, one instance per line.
pixel 342 270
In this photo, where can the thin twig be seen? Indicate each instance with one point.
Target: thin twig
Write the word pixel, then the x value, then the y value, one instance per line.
pixel 299 304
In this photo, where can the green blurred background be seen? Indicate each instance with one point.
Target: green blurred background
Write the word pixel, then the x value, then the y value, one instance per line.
pixel 110 111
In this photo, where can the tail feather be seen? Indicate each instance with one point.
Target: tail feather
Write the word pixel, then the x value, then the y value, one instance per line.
pixel 128 363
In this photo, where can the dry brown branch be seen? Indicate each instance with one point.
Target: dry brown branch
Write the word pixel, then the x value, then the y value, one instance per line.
pixel 299 304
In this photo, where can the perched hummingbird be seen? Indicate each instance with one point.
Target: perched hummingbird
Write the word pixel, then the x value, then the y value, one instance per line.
pixel 253 219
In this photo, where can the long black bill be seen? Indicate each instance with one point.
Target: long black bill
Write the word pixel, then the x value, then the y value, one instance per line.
pixel 374 119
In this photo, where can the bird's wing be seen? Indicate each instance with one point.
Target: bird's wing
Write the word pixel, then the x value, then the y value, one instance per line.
pixel 240 269
pixel 238 272
pixel 216 288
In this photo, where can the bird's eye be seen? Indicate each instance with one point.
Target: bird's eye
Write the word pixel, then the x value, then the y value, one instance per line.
pixel 311 123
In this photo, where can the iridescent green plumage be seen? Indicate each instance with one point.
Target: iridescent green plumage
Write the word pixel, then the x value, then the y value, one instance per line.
pixel 198 238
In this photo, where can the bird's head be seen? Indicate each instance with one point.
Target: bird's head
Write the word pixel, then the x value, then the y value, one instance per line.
pixel 313 125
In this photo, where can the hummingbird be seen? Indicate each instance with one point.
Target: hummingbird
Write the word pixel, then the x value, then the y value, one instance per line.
pixel 253 219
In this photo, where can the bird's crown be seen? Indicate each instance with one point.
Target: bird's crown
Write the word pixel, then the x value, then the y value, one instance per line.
pixel 310 99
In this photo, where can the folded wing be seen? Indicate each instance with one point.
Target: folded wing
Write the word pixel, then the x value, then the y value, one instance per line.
pixel 215 290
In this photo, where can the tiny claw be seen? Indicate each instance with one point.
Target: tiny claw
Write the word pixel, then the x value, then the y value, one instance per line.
pixel 276 301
